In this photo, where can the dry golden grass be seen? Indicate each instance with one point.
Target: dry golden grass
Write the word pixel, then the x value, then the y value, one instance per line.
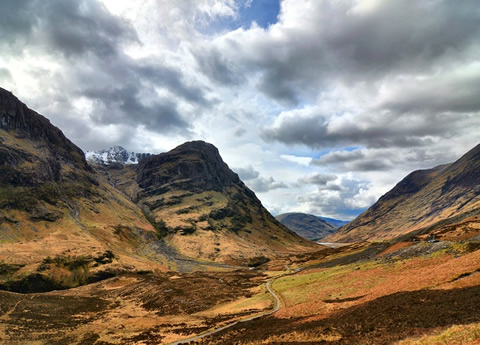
pixel 455 335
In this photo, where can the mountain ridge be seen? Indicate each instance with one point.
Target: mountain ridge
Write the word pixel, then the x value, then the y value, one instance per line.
pixel 422 198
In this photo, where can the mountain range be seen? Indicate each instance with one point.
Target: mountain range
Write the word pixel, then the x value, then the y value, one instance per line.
pixel 166 212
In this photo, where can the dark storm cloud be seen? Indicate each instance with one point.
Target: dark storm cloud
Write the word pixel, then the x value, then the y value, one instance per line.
pixel 401 36
pixel 16 21
pixel 262 184
pixel 407 70
pixel 373 130
pixel 87 41
pixel 124 105
pixel 67 27
pixel 384 159
pixel 336 40
pixel 216 67
pixel 360 160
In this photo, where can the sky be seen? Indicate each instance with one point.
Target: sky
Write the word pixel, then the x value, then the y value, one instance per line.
pixel 321 106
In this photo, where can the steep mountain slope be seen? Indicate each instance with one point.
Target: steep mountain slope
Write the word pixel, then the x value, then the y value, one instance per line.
pixel 421 199
pixel 306 225
pixel 54 207
pixel 205 211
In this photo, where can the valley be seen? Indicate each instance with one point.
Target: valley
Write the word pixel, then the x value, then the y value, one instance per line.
pixel 175 248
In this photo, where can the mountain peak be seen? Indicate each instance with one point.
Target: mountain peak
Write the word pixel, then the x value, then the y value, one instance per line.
pixel 115 154
pixel 193 165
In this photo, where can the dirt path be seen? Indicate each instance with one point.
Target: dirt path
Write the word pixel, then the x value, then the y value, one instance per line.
pixel 274 310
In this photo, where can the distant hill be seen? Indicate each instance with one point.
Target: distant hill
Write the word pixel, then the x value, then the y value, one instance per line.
pixel 310 226
pixel 336 222
pixel 421 199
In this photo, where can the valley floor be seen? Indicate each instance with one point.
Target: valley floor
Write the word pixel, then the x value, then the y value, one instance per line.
pixel 404 293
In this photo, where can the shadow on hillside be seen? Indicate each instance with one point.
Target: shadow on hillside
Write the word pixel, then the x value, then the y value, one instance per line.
pixel 381 321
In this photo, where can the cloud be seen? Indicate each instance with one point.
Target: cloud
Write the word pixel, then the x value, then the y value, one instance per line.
pixel 258 183
pixel 247 174
pixel 396 73
pixel 343 200
pixel 263 185
pixel 5 74
pixel 316 42
pixel 364 90
pixel 317 179
pixel 87 44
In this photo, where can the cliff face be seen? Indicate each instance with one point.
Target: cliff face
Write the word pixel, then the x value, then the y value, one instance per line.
pixel 28 137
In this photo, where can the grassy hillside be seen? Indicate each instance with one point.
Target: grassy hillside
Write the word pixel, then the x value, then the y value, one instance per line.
pixel 421 199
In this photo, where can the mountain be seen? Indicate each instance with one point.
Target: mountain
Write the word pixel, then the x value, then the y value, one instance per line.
pixel 61 223
pixel 205 210
pixel 309 226
pixel 335 222
pixel 115 154
pixel 422 199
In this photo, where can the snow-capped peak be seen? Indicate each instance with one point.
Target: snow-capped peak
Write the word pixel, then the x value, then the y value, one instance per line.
pixel 115 154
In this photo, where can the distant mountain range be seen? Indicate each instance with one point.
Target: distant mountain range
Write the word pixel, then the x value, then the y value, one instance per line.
pixel 115 154
pixel 309 226
pixel 447 193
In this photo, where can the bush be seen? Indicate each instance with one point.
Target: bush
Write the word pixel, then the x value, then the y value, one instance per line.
pixel 258 261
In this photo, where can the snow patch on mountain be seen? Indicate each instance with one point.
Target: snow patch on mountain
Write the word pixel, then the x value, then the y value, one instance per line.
pixel 115 154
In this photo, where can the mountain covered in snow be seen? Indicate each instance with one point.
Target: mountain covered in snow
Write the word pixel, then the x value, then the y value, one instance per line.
pixel 115 154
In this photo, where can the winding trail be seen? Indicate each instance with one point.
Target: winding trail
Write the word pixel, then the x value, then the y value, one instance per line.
pixel 274 310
